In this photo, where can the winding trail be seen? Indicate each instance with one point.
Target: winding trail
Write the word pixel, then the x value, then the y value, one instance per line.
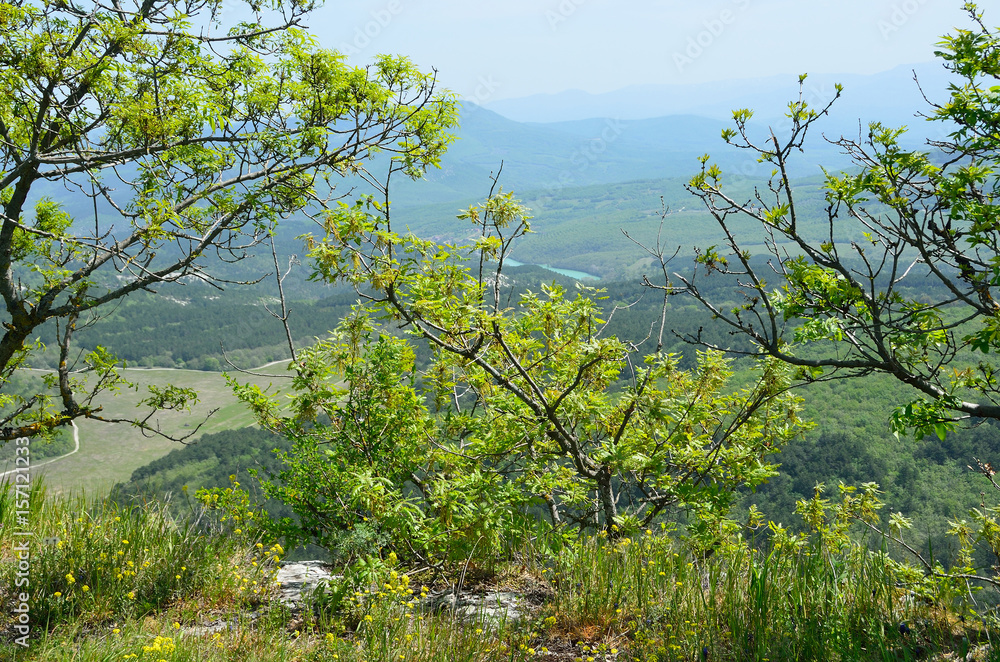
pixel 76 430
pixel 76 447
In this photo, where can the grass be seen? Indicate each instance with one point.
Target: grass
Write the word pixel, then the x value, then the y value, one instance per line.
pixel 110 453
pixel 787 604
pixel 111 582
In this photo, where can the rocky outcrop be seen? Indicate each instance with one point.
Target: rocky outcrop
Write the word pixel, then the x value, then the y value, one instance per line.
pixel 297 580
pixel 492 607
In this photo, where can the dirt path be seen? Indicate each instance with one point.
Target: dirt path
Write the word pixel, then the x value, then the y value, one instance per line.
pixel 76 448
pixel 76 430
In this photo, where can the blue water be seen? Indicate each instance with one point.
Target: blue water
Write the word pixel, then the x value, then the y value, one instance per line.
pixel 570 273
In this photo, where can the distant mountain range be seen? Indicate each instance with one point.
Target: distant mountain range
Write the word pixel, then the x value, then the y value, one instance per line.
pixel 571 139
pixel 594 170
pixel 890 96
pixel 551 143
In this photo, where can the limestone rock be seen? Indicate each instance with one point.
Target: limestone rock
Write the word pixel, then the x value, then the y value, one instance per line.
pixel 298 579
pixel 491 607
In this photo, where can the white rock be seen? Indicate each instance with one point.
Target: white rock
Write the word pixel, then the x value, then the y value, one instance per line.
pixel 299 579
pixel 492 607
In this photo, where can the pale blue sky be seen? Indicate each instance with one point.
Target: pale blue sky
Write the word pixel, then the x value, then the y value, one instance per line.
pixel 514 48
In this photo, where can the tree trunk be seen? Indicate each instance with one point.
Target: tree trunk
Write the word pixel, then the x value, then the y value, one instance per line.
pixel 606 494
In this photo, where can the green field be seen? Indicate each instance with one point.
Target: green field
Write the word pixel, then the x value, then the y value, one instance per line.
pixel 109 453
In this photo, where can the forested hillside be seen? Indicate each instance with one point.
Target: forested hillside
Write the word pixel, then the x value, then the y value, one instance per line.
pixel 927 480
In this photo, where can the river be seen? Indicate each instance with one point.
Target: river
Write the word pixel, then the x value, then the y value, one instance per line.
pixel 579 275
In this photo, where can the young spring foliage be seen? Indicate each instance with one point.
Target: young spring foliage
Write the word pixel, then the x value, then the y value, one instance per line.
pixel 527 416
pixel 370 466
pixel 841 305
pixel 140 141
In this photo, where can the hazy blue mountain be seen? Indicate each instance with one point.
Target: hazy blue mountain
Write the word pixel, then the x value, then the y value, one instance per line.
pixel 557 155
pixel 891 96
pixel 586 140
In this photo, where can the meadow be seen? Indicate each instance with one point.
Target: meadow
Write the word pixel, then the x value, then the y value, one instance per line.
pixel 109 454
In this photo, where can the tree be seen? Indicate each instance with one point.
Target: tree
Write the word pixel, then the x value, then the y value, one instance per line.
pixel 528 414
pixel 847 305
pixel 370 466
pixel 138 142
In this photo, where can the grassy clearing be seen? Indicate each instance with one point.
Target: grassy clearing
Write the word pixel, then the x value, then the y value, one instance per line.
pixel 112 583
pixel 110 453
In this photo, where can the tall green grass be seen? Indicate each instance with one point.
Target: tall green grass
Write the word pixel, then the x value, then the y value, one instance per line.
pixel 809 601
pixel 94 562
pixel 150 580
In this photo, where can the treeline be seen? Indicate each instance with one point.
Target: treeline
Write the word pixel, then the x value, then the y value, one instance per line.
pixel 209 462
pixel 246 455
pixel 201 329
pixel 214 460
pixel 196 328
